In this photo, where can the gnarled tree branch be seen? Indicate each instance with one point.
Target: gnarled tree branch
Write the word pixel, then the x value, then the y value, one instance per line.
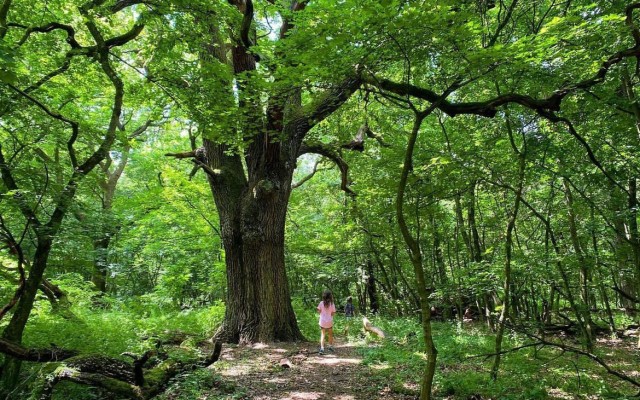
pixel 331 100
pixel 307 177
pixel 52 26
pixel 489 108
pixel 333 156
pixel 125 38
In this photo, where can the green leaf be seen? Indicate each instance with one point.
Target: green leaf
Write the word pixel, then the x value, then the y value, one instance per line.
pixel 7 76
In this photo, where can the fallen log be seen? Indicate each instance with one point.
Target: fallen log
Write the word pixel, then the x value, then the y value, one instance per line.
pixel 40 355
pixel 113 385
pixel 132 381
pixel 142 380
pixel 371 328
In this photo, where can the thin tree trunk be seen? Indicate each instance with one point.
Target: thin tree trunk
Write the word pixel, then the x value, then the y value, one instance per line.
pixel 634 235
pixel 563 273
pixel 415 255
pixel 99 273
pixel 601 286
pixel 584 268
pixel 471 217
pixel 14 330
pixel 504 314
pixel 371 288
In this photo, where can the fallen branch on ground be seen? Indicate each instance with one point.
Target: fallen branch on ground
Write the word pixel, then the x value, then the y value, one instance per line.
pixel 143 379
pixel 373 329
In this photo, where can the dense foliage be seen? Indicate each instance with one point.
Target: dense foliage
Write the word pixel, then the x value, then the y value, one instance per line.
pixel 166 165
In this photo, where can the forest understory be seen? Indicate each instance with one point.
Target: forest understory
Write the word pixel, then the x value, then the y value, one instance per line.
pixel 180 174
pixel 362 365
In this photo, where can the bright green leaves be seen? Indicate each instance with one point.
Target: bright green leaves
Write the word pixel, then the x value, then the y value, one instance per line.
pixel 7 65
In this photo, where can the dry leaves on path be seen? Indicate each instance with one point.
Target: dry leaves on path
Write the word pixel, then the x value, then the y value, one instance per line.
pixel 295 371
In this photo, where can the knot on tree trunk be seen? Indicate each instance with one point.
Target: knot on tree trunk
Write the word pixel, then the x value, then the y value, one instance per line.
pixel 265 187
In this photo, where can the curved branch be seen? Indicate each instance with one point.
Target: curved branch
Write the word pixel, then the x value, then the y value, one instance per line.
pixel 74 125
pixel 587 354
pixel 122 4
pixel 333 156
pixel 113 385
pixel 624 294
pixel 53 114
pixel 332 100
pixel 126 37
pixel 63 68
pixel 503 24
pixel 14 247
pixel 489 108
pixel 198 157
pixel 10 183
pixel 52 26
pixel 629 20
pixel 358 141
pixel 592 157
pixel 378 138
pixel 185 154
pixel 245 28
pixel 65 198
pixel 307 177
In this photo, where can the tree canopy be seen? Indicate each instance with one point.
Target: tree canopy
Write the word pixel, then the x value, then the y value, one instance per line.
pixel 470 159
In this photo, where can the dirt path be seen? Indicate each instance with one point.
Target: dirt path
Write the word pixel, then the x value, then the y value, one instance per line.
pixel 340 375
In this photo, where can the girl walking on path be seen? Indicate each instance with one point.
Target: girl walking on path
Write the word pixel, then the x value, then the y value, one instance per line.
pixel 326 308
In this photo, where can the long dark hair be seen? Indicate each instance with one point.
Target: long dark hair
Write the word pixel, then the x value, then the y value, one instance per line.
pixel 327 298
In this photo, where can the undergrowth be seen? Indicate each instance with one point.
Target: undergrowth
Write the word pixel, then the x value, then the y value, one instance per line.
pixel 111 327
pixel 464 362
pixel 104 325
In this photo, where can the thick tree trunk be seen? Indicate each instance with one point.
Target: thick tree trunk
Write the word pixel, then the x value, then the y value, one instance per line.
pixel 252 220
pixel 252 190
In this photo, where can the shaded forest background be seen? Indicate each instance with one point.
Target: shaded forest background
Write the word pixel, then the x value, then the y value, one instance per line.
pixel 174 161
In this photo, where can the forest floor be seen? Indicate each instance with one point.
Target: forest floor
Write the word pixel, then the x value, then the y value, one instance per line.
pixel 257 372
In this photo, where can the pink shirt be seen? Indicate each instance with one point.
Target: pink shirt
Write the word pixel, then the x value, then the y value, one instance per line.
pixel 326 314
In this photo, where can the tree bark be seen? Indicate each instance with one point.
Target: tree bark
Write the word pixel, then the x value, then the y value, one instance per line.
pixel 99 273
pixel 251 185
pixel 252 221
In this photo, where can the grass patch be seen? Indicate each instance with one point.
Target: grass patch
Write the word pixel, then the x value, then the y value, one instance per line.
pixel 525 374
